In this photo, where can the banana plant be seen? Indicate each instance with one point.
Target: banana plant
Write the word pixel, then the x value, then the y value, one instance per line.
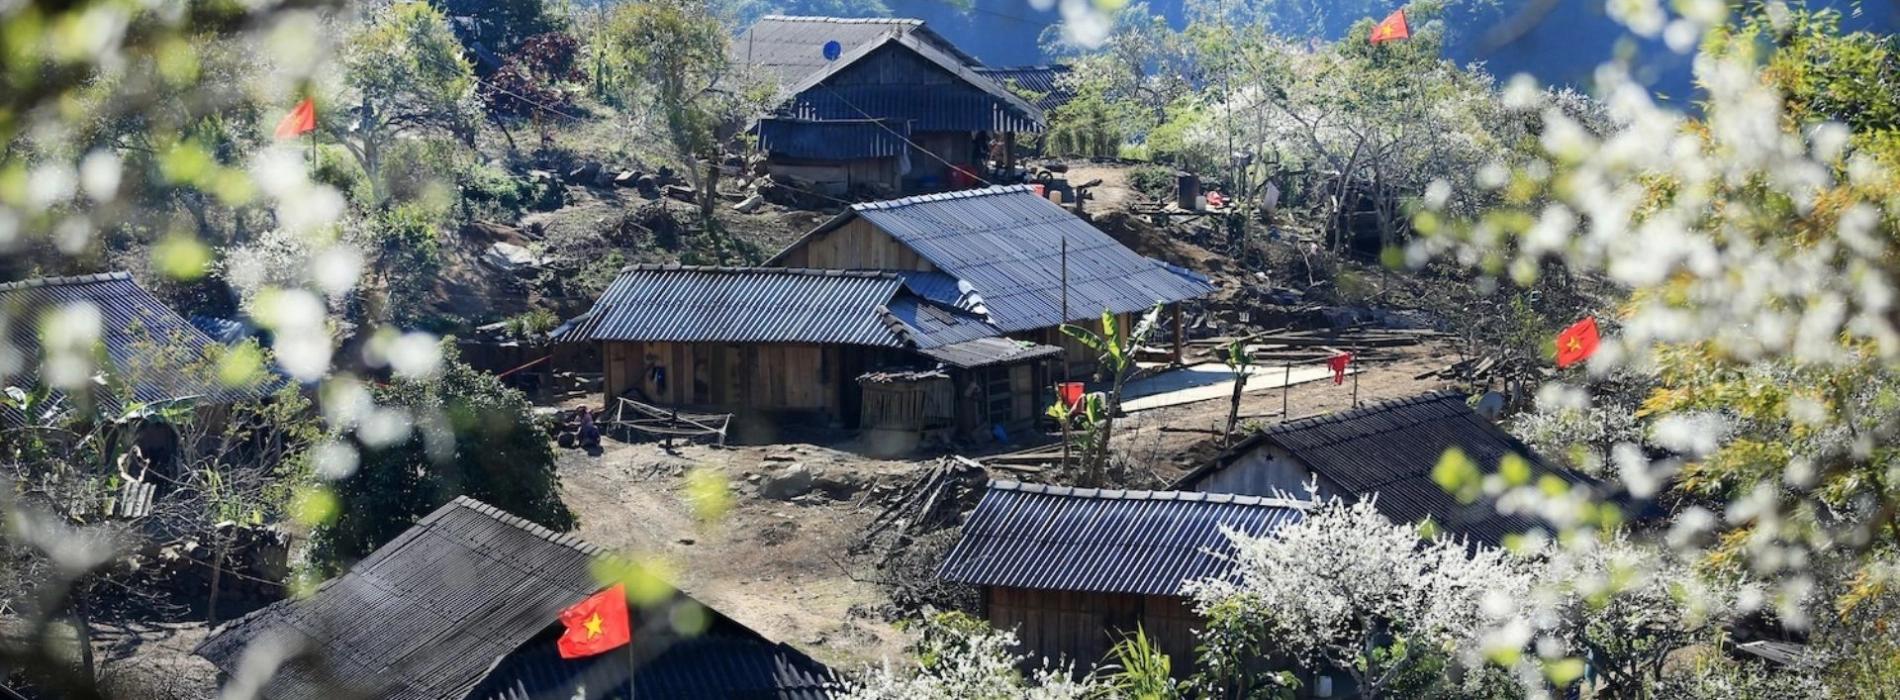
pixel 1115 348
pixel 1240 362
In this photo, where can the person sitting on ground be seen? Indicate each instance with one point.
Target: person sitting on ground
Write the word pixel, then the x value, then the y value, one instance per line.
pixel 590 433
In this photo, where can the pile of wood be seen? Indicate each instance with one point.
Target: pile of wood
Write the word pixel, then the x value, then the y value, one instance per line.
pixel 1488 370
pixel 245 565
pixel 1033 459
pixel 1289 346
pixel 936 500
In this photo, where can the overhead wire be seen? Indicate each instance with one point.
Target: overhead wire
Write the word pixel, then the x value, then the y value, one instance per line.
pixel 906 139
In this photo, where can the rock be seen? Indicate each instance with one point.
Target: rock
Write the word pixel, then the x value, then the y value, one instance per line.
pixel 585 174
pixel 780 458
pixel 508 257
pixel 786 484
pixel 682 193
pixel 750 204
pixel 666 175
pixel 605 178
pixel 688 541
pixel 540 176
pixel 626 178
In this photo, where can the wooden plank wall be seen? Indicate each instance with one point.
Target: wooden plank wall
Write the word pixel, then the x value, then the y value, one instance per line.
pixel 856 246
pixel 766 376
pixel 1083 626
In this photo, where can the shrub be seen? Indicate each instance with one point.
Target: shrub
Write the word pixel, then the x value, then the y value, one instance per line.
pixel 473 437
pixel 1155 181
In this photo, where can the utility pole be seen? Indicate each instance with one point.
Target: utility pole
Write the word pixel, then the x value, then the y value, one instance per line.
pixel 1068 417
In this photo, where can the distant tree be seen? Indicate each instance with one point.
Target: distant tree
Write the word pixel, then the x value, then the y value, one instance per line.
pixel 500 27
pixel 472 436
pixel 671 54
pixel 403 72
pixel 535 78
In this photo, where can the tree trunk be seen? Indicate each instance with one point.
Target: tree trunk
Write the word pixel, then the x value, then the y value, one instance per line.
pixel 1233 407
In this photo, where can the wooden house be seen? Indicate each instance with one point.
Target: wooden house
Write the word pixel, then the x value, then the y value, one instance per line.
pixel 1000 252
pixel 466 604
pixel 1388 451
pixel 789 343
pixel 1073 571
pixel 894 107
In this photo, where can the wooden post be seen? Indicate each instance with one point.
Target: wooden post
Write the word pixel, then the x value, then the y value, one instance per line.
pixel 1286 385
pixel 1180 333
pixel 1065 349
pixel 1009 155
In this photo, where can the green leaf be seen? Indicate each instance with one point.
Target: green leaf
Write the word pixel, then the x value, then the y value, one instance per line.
pixel 1459 476
pixel 1515 469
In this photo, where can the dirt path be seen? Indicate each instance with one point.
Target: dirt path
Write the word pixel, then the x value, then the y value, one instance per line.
pixel 779 567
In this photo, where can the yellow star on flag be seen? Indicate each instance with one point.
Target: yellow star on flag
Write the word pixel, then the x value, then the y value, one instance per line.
pixel 1574 346
pixel 593 626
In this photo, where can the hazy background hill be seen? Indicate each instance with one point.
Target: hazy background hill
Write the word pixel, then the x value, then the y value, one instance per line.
pixel 1565 41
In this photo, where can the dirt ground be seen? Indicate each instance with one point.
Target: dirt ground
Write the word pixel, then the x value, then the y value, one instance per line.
pixel 784 568
pixel 779 567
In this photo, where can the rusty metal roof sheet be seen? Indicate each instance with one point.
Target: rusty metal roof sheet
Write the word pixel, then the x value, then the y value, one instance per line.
pixel 1390 449
pixel 1006 243
pixel 1107 541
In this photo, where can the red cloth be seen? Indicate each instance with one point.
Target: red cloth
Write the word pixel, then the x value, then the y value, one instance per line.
pixel 1338 364
pixel 595 625
pixel 299 121
pixel 1393 28
pixel 1578 342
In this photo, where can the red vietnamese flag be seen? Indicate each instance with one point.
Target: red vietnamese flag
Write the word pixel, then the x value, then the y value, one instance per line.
pixel 1578 342
pixel 1392 29
pixel 597 624
pixel 299 121
pixel 1338 364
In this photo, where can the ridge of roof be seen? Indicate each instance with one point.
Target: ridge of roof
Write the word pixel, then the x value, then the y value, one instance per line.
pixel 1361 412
pixel 978 193
pixel 788 271
pixel 460 502
pixel 67 281
pixel 1248 444
pixel 1146 495
pixel 523 524
pixel 952 64
pixel 907 21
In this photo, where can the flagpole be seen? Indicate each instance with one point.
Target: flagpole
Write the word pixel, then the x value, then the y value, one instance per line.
pixel 1355 375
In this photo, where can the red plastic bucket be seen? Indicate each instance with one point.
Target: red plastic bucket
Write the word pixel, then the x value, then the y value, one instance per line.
pixel 1071 393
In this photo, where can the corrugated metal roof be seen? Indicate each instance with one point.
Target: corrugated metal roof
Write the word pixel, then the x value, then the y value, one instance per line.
pixel 1390 449
pixel 709 667
pixel 159 353
pixel 873 82
pixel 1107 541
pixel 833 140
pixel 429 614
pixel 1045 81
pixel 672 303
pixel 1006 243
pixel 788 48
pixel 985 352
